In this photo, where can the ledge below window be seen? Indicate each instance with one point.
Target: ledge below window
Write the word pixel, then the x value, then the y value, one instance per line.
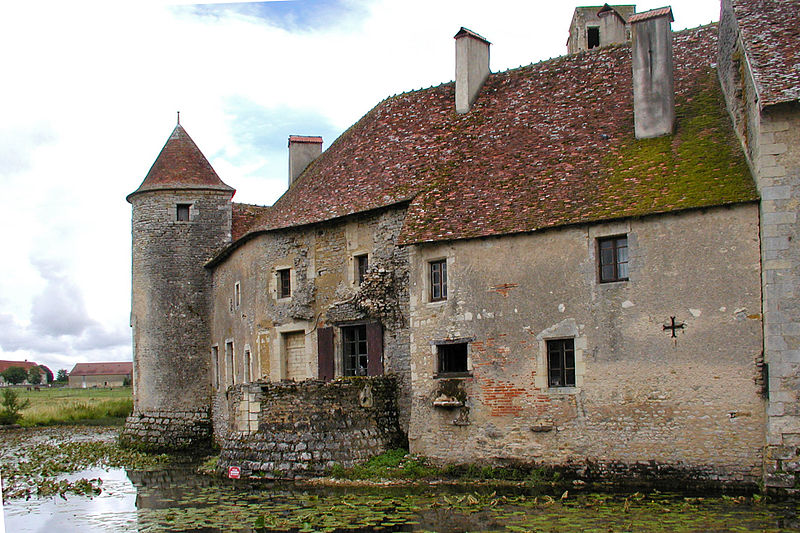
pixel 449 375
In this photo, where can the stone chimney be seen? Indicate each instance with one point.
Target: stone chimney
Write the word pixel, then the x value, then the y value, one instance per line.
pixel 302 151
pixel 653 79
pixel 472 67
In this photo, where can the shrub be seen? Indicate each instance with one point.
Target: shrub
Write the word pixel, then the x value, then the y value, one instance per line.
pixel 10 407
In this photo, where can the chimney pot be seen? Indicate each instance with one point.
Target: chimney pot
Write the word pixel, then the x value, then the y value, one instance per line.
pixel 472 67
pixel 653 78
pixel 303 150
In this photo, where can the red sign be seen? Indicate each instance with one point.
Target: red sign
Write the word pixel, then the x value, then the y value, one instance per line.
pixel 234 472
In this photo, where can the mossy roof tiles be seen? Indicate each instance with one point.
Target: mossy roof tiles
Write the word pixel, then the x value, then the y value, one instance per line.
pixel 545 145
pixel 181 165
pixel 770 31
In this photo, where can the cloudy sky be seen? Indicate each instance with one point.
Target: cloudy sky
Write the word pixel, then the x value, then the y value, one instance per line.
pixel 90 92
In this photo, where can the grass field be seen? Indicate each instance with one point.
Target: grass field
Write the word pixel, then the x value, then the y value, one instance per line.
pixel 76 406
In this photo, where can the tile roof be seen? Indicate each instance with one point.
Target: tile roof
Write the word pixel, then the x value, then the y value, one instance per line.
pixel 244 217
pixel 770 32
pixel 545 145
pixel 102 369
pixel 181 164
pixel 27 365
pixel 653 13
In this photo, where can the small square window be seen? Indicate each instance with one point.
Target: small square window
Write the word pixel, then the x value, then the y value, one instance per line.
pixel 284 283
pixel 361 266
pixel 183 212
pixel 561 362
pixel 438 280
pixel 451 358
pixel 613 255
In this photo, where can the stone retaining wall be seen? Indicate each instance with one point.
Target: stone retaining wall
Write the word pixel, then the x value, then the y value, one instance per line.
pixel 164 430
pixel 291 430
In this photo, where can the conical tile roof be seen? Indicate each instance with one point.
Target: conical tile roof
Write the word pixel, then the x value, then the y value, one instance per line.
pixel 181 165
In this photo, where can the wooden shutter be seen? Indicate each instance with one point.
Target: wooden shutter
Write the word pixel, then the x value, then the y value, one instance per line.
pixel 374 349
pixel 325 353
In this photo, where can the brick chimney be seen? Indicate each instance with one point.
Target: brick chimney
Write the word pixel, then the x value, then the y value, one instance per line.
pixel 472 67
pixel 302 151
pixel 653 79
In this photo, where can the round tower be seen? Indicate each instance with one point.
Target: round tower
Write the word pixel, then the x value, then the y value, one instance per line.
pixel 181 216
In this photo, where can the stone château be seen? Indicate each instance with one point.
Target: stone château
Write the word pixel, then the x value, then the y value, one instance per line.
pixel 589 262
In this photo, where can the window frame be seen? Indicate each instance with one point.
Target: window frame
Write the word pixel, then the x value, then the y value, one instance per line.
pixel 237 295
pixel 216 375
pixel 360 268
pixel 284 283
pixel 565 371
pixel 438 289
pixel 442 346
pixel 355 369
pixel 615 262
pixel 589 30
pixel 230 363
pixel 182 210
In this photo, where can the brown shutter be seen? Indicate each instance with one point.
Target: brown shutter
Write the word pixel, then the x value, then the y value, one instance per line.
pixel 325 353
pixel 374 349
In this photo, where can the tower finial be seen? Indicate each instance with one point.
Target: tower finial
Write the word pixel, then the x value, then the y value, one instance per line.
pixel 179 118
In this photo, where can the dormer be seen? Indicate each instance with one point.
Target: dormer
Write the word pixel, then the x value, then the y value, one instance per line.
pixel 595 26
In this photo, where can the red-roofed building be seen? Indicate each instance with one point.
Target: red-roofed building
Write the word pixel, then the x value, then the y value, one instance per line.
pixel 86 375
pixel 588 262
pixel 25 365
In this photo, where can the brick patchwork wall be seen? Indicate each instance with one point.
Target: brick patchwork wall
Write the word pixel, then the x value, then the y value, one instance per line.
pixel 293 430
pixel 643 403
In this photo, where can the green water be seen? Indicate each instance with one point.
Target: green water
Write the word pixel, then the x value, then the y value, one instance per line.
pixel 177 500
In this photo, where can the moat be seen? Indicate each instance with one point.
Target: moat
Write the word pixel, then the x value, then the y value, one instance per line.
pixel 176 498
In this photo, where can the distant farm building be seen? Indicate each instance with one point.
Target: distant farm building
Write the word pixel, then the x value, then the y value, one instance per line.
pixel 85 375
pixel 26 365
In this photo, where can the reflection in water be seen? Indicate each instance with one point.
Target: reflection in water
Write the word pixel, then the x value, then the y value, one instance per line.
pixel 179 500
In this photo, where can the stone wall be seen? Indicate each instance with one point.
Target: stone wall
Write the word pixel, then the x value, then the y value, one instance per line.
pixel 324 293
pixel 771 139
pixel 168 431
pixel 171 314
pixel 289 430
pixel 690 403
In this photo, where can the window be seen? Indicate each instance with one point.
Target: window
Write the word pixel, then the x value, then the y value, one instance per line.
pixel 215 373
pixel 362 264
pixel 613 253
pixel 561 362
pixel 438 280
pixel 593 36
pixel 284 283
pixel 183 212
pixel 230 374
pixel 237 295
pixel 354 350
pixel 247 363
pixel 295 361
pixel 452 358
